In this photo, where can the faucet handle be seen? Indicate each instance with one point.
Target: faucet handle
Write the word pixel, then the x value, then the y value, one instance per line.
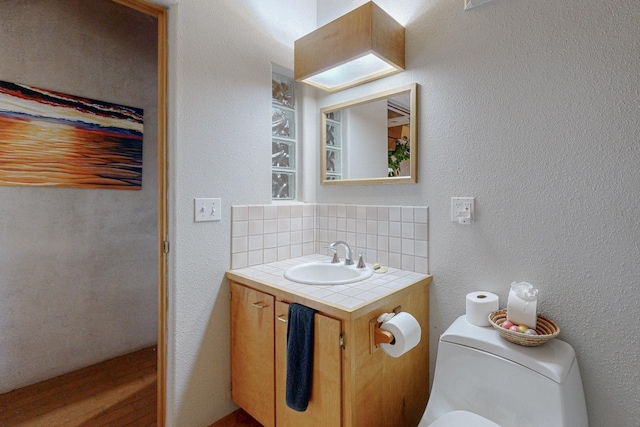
pixel 361 263
pixel 335 258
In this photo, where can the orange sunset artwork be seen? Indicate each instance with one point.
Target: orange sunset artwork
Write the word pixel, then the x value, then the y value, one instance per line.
pixel 50 139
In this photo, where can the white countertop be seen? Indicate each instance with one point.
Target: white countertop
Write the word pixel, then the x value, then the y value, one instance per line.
pixel 349 297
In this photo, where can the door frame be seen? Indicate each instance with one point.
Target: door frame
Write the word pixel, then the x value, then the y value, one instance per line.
pixel 161 14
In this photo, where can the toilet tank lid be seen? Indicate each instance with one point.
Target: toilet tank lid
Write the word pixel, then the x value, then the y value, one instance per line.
pixel 552 359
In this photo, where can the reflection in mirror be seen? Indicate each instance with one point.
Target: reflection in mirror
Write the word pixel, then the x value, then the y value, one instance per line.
pixel 371 140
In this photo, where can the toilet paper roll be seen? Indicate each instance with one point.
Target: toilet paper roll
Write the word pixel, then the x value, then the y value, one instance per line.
pixel 406 331
pixel 479 305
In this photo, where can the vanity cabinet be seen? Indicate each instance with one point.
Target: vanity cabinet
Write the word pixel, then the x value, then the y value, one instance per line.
pixel 252 352
pixel 259 362
pixel 354 382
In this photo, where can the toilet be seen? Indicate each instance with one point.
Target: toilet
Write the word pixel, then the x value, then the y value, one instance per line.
pixel 482 380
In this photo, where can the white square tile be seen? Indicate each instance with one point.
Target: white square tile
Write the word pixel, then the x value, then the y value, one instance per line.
pixel 407 214
pixel 270 255
pixel 270 212
pixel 322 223
pixel 256 226
pixel 284 239
pixel 296 250
pixel 383 258
pixel 372 241
pixel 256 242
pixel 420 231
pixel 239 213
pixel 239 228
pixel 421 248
pixel 361 212
pixel 255 257
pixel 256 212
pixel 239 244
pixel 395 213
pixel 308 210
pixel 383 228
pixel 395 260
pixel 407 262
pixel 308 248
pixel 284 211
pixel 383 213
pixel 284 224
pixel 296 211
pixel 270 240
pixel 421 265
pixel 421 214
pixel 308 236
pixel 270 226
pixel 238 260
pixel 307 223
pixel 296 237
pixel 383 243
pixel 296 223
pixel 407 230
pixel 372 212
pixel 408 247
pixel 332 223
pixel 395 229
pixel 395 245
pixel 284 252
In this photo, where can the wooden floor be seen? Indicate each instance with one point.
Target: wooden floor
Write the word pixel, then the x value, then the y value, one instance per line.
pixel 119 392
pixel 238 418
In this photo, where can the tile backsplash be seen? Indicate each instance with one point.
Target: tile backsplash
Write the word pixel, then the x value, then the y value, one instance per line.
pixel 395 236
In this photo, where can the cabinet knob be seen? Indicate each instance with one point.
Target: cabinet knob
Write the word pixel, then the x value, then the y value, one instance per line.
pixel 282 318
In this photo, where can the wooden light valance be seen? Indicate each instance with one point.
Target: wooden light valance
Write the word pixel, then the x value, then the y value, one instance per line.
pixel 363 45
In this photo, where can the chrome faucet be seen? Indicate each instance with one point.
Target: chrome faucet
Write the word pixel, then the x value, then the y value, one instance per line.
pixel 348 259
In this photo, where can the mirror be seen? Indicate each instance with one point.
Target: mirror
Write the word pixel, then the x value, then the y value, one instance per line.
pixel 371 140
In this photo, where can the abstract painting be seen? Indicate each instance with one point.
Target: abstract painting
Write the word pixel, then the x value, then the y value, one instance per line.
pixel 50 139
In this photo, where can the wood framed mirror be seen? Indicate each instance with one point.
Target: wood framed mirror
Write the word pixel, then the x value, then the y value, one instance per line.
pixel 371 140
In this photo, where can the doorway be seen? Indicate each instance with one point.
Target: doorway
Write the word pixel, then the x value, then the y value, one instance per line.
pixel 161 15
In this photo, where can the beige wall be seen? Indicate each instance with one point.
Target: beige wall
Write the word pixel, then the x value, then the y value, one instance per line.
pixel 78 267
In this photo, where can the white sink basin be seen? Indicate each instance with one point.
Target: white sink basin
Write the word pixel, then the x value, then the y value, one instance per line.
pixel 326 273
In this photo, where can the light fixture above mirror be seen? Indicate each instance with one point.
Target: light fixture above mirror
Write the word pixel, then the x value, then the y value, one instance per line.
pixel 362 45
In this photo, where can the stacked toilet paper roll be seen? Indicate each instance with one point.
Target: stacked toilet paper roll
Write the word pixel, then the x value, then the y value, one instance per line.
pixel 479 305
pixel 406 331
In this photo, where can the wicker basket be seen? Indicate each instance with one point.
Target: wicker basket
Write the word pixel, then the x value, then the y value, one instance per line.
pixel 546 329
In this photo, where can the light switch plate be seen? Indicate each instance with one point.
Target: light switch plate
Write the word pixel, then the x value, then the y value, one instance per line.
pixel 462 210
pixel 207 210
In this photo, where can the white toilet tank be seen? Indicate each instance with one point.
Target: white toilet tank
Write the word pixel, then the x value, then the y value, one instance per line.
pixel 479 372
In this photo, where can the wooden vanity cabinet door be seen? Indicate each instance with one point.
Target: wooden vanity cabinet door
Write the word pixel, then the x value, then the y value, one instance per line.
pixel 252 352
pixel 325 404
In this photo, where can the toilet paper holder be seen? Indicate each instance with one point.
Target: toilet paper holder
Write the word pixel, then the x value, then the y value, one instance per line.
pixel 379 336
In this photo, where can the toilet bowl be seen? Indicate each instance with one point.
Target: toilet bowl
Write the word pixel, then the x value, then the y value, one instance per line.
pixel 482 380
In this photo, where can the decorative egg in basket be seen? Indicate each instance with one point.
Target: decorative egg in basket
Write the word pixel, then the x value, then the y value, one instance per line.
pixel 546 329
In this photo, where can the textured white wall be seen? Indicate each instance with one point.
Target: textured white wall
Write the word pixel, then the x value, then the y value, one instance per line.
pixel 220 67
pixel 78 267
pixel 534 109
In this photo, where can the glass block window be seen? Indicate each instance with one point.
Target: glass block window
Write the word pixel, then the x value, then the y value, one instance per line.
pixel 334 145
pixel 283 138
